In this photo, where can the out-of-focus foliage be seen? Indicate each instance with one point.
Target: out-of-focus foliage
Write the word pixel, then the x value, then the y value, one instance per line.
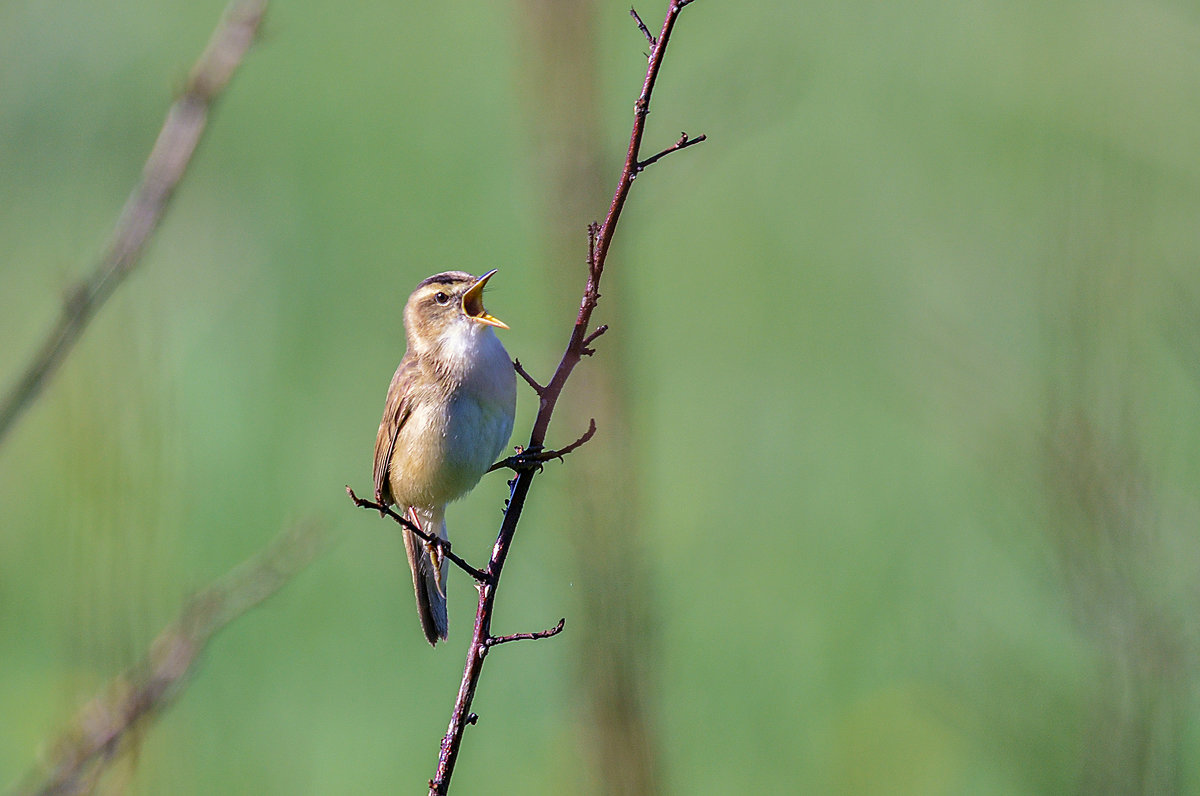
pixel 917 357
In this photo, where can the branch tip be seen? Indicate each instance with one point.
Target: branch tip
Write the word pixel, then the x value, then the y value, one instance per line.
pixel 645 31
pixel 530 380
pixel 683 143
pixel 586 348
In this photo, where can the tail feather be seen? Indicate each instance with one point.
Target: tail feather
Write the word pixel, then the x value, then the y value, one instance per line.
pixel 428 572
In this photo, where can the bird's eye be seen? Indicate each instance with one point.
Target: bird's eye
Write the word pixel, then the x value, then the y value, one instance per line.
pixel 441 298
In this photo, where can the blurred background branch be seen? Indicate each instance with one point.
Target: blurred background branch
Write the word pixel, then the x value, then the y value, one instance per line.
pixel 1117 536
pixel 168 161
pixel 94 738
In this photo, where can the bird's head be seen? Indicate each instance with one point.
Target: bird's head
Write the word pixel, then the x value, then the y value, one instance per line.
pixel 446 312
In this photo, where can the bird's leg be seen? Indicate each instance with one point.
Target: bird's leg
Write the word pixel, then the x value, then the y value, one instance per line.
pixel 533 457
pixel 433 548
pixel 524 459
pixel 527 458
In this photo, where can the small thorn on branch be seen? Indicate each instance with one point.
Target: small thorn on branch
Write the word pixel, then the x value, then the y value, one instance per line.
pixel 645 31
pixel 494 641
pixel 530 380
pixel 586 348
pixel 683 143
pixel 443 545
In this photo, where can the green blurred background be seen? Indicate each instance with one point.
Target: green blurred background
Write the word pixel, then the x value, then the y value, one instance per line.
pixel 909 352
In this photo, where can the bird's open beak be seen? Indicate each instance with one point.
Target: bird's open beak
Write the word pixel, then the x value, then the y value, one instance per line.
pixel 472 303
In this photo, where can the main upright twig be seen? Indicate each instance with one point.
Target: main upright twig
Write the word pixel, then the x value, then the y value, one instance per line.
pixel 528 464
pixel 165 167
pixel 600 241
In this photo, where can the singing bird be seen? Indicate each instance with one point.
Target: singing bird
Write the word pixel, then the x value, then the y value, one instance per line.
pixel 449 414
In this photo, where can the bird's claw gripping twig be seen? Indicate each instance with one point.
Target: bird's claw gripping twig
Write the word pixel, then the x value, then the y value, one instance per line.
pixel 535 458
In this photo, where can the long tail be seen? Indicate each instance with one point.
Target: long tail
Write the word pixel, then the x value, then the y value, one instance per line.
pixel 428 573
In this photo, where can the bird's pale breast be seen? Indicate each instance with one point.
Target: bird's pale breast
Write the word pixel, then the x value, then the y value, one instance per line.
pixel 445 447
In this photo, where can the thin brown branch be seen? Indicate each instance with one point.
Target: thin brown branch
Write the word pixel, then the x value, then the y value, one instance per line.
pixel 530 380
pixel 599 242
pixel 642 27
pixel 587 435
pixel 443 545
pixel 683 143
pixel 165 167
pixel 146 689
pixel 587 341
pixel 496 641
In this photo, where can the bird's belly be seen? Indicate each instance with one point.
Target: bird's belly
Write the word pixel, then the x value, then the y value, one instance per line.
pixel 476 433
pixel 445 453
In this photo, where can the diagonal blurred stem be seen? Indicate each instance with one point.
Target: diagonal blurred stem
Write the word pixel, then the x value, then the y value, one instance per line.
pixel 94 736
pixel 165 167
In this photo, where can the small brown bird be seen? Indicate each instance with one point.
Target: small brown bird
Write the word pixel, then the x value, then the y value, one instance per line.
pixel 449 414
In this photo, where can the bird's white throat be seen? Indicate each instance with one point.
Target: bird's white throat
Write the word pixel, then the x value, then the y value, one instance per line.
pixel 468 346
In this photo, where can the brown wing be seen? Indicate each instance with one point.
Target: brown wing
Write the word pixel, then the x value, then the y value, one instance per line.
pixel 395 413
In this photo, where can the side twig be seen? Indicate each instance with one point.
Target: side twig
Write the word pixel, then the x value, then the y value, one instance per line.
pixel 554 631
pixel 530 458
pixel 587 350
pixel 683 143
pixel 144 209
pixel 599 242
pixel 94 736
pixel 442 544
pixel 653 42
pixel 530 380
